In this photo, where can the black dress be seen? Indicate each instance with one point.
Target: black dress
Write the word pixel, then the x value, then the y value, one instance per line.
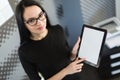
pixel 47 56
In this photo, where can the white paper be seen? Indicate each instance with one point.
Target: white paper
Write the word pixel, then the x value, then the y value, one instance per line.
pixel 113 41
pixel 2 20
pixel 115 64
pixel 115 72
pixel 116 55
pixel 5 11
pixel 91 45
pixel 3 3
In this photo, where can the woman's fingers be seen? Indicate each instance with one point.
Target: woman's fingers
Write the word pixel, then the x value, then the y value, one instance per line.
pixel 75 66
pixel 75 48
pixel 79 64
pixel 78 41
pixel 78 60
pixel 78 67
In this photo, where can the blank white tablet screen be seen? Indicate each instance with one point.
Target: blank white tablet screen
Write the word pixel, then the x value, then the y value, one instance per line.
pixel 91 44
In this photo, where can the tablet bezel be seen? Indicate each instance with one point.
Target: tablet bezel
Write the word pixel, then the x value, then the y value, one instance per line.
pixel 102 44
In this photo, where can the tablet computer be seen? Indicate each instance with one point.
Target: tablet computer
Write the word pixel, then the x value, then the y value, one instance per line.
pixel 91 44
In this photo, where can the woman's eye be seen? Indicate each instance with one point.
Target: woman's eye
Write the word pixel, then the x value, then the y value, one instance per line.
pixel 31 20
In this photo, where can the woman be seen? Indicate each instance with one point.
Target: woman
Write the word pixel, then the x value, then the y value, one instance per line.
pixel 43 48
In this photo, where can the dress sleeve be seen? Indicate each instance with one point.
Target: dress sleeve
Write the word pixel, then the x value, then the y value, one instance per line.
pixel 29 68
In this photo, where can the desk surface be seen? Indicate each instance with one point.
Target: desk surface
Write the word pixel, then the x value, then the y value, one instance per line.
pixel 91 73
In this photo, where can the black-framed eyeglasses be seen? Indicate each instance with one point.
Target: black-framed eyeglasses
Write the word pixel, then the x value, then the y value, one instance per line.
pixel 33 21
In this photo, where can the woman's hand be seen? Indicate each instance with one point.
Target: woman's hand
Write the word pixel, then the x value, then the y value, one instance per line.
pixel 75 49
pixel 75 66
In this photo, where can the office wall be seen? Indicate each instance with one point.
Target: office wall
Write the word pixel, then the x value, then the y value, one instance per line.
pixel 50 8
pixel 79 12
pixel 10 67
pixel 94 11
pixel 117 10
pixel 73 19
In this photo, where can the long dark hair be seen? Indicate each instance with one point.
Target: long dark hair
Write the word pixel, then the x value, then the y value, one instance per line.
pixel 23 31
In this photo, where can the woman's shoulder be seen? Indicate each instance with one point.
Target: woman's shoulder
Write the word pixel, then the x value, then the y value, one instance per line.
pixel 23 45
pixel 57 27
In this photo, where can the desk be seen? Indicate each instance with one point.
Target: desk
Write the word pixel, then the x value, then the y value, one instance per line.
pixel 89 73
pixel 104 70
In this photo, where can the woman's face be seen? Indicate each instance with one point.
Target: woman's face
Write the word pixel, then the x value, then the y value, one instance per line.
pixel 34 19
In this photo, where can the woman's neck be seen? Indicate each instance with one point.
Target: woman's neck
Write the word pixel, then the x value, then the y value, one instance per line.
pixel 39 36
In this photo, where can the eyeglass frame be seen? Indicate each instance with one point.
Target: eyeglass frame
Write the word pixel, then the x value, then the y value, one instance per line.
pixel 40 17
